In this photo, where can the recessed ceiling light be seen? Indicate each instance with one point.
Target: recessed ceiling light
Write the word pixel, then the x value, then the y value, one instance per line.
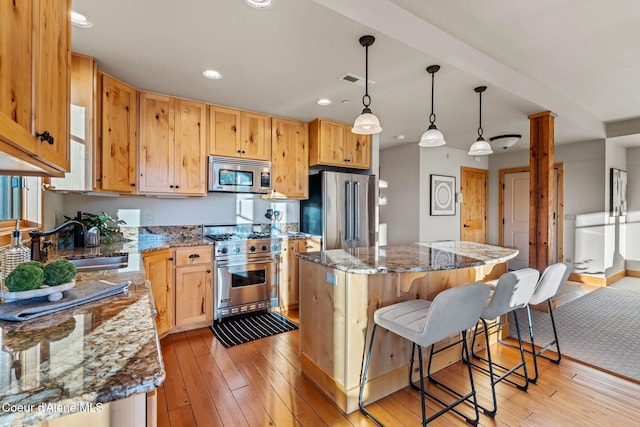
pixel 400 137
pixel 323 101
pixel 80 21
pixel 212 74
pixel 260 4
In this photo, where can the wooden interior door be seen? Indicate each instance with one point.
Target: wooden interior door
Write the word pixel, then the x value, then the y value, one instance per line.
pixel 473 211
pixel 516 217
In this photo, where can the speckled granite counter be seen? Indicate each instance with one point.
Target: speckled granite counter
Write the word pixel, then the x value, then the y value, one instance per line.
pixel 413 257
pixel 98 352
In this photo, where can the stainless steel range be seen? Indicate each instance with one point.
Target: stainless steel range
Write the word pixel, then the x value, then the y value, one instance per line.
pixel 246 268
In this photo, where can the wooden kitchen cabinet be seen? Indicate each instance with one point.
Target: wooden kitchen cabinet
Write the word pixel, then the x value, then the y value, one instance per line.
pixel 172 146
pixel 35 38
pixel 194 286
pixel 240 134
pixel 289 159
pixel 116 154
pixel 333 144
pixel 158 267
pixel 289 278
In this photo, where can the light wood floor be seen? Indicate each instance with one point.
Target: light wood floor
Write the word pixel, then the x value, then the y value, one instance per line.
pixel 260 384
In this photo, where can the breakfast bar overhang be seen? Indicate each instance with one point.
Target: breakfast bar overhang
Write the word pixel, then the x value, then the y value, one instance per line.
pixel 340 290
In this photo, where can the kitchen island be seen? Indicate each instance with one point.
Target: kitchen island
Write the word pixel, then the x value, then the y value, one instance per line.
pixel 341 289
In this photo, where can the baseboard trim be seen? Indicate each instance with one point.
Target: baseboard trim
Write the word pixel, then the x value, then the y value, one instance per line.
pixel 633 273
pixel 601 281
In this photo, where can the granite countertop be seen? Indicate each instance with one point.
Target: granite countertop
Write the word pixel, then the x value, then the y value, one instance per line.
pixel 97 352
pixel 412 257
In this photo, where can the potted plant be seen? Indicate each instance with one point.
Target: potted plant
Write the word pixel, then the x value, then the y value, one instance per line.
pixel 104 222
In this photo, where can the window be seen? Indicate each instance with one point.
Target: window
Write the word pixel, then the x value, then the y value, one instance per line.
pixel 10 197
pixel 20 197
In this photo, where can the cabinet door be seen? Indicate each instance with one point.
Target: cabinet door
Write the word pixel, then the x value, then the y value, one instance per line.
pixel 52 58
pixel 156 143
pixel 332 143
pixel 158 267
pixel 194 294
pixel 15 56
pixel 290 159
pixel 190 148
pixel 119 148
pixel 289 275
pixel 256 136
pixel 358 151
pixel 224 132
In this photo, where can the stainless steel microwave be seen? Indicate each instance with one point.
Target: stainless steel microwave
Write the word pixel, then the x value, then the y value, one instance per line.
pixel 239 175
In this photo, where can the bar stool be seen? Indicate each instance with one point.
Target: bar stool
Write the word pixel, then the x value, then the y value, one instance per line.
pixel 424 323
pixel 513 290
pixel 552 282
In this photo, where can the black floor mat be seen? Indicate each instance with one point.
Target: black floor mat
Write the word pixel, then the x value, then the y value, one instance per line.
pixel 239 330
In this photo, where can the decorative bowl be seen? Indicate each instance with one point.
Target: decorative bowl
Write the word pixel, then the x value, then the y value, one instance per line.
pixel 53 293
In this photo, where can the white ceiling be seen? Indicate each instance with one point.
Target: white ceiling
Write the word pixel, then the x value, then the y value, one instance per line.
pixel 577 58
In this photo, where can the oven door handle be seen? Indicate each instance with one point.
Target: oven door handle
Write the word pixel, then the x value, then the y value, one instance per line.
pixel 240 264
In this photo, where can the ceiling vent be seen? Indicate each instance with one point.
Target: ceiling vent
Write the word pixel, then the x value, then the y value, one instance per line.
pixel 356 80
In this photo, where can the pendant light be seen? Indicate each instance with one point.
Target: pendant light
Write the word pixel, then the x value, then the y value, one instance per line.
pixel 432 136
pixel 366 123
pixel 481 147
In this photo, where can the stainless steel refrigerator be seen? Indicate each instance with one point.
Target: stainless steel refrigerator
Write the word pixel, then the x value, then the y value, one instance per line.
pixel 341 209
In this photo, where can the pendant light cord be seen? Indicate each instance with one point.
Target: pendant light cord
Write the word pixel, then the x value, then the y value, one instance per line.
pixel 480 124
pixel 432 117
pixel 366 99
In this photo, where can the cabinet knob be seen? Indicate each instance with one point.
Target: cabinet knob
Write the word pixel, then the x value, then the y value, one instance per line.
pixel 171 259
pixel 171 186
pixel 208 271
pixel 238 151
pixel 177 186
pixel 242 151
pixel 45 136
pixel 133 184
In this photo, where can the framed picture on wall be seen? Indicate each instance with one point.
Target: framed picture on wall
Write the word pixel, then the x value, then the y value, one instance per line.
pixel 618 192
pixel 443 195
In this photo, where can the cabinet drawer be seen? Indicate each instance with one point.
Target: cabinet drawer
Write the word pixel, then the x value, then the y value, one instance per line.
pixel 309 245
pixel 194 255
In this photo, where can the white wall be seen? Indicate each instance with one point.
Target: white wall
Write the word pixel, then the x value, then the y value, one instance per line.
pixel 407 168
pixel 216 208
pixel 442 161
pixel 400 167
pixel 632 249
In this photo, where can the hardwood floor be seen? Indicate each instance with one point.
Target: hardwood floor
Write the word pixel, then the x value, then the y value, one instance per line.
pixel 260 384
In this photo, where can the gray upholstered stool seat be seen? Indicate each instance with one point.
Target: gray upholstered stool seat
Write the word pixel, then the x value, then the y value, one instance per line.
pixel 552 282
pixel 513 290
pixel 425 323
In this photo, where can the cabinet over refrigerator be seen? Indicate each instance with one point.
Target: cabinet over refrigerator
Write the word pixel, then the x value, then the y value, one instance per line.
pixel 340 208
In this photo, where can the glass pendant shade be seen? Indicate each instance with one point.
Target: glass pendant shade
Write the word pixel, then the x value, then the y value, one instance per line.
pixel 480 148
pixel 366 123
pixel 432 138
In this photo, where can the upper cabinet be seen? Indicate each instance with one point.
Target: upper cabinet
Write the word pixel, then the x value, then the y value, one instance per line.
pixel 34 89
pixel 290 159
pixel 236 133
pixel 116 153
pixel 333 144
pixel 172 156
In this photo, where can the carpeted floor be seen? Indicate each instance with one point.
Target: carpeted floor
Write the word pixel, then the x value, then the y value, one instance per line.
pixel 601 328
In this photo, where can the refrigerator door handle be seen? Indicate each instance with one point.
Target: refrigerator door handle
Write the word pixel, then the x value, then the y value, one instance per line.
pixel 348 217
pixel 356 210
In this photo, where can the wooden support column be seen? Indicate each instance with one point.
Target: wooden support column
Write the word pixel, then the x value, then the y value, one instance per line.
pixel 541 190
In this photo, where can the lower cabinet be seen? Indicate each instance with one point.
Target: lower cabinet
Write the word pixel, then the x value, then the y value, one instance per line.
pixel 289 287
pixel 158 267
pixel 182 287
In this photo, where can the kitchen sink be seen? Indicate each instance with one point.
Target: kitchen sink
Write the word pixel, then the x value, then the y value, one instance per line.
pixel 99 262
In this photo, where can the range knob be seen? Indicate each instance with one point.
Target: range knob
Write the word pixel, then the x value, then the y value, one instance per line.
pixel 263 247
pixel 236 250
pixel 252 248
pixel 224 250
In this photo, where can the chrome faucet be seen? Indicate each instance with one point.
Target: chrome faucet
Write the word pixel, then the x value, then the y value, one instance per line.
pixel 38 251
